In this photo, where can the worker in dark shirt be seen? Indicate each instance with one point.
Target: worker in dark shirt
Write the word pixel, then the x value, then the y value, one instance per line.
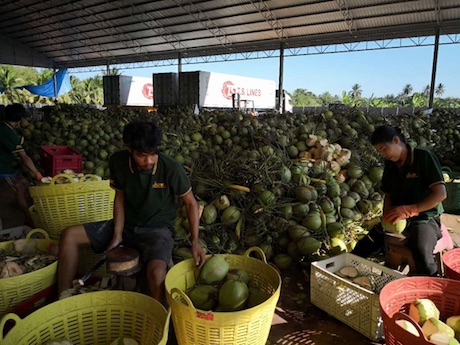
pixel 15 199
pixel 147 185
pixel 414 190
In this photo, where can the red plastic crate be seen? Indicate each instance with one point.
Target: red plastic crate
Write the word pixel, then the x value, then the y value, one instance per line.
pixel 55 159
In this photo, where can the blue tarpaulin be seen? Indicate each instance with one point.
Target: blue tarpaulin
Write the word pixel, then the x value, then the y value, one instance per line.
pixel 47 88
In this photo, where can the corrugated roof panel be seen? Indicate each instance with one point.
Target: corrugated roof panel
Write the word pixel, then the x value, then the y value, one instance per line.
pixel 88 31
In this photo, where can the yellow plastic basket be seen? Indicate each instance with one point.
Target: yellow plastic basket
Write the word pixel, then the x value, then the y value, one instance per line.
pixel 95 318
pixel 63 205
pixel 249 327
pixel 15 290
pixel 35 217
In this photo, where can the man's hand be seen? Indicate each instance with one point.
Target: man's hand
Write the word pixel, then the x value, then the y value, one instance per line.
pixel 198 254
pixel 38 176
pixel 397 213
pixel 114 243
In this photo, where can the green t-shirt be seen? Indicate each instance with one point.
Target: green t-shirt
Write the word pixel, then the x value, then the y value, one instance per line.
pixel 10 143
pixel 411 183
pixel 150 196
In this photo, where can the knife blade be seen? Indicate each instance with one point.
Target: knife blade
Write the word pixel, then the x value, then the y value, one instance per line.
pixel 83 279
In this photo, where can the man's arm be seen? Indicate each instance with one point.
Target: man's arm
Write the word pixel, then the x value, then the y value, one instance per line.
pixel 194 221
pixel 27 161
pixel 438 194
pixel 118 219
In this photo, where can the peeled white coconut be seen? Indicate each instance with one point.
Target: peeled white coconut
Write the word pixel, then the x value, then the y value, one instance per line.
pixel 407 326
pixel 433 325
pixel 422 309
pixel 443 339
pixel 124 341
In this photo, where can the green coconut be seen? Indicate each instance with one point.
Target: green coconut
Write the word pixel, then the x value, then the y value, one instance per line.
pixel 233 295
pixel 397 228
pixel 209 214
pixel 312 221
pixel 336 229
pixel 303 194
pixel 267 197
pixel 204 297
pixel 308 245
pixel 300 210
pixel 214 270
pixel 238 274
pixel 348 202
pixel 282 261
pixel 256 297
pixel 286 211
pixel 297 231
pixel 222 202
pixel 231 215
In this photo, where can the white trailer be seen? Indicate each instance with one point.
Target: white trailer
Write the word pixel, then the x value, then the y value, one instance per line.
pixel 128 90
pixel 217 90
pixel 213 90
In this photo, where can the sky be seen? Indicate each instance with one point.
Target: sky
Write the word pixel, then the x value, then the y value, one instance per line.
pixel 378 72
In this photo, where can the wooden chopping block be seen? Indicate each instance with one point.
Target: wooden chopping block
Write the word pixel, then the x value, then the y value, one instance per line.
pixel 121 259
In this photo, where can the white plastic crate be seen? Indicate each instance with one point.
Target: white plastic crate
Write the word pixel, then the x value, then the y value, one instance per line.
pixel 353 305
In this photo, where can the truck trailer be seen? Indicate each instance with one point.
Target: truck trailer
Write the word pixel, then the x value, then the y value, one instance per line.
pixel 213 90
pixel 127 90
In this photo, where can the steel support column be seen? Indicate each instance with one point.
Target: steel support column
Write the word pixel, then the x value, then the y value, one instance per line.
pixel 433 69
pixel 281 106
pixel 55 84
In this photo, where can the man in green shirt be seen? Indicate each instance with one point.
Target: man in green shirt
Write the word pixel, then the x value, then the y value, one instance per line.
pixel 147 184
pixel 14 188
pixel 414 190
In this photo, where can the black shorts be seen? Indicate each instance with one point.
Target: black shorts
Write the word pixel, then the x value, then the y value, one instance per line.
pixel 153 243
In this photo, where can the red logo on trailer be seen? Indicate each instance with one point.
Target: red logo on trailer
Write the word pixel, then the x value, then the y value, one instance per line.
pixel 228 89
pixel 147 91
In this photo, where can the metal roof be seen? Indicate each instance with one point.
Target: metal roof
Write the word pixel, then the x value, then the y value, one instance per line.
pixel 78 33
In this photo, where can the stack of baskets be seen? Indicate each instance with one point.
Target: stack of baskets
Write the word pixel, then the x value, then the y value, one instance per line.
pixel 95 318
pixel 14 290
pixel 396 297
pixel 249 327
pixel 57 206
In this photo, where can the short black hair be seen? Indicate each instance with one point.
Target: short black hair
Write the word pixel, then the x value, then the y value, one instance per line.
pixel 15 112
pixel 142 136
pixel 385 134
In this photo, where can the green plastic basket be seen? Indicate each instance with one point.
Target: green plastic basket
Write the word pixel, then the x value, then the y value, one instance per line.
pixel 452 203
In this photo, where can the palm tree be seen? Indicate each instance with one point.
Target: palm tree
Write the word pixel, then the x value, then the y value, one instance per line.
pixel 407 90
pixel 426 91
pixel 356 92
pixel 440 89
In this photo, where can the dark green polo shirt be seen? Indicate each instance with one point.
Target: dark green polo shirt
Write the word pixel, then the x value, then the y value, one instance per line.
pixel 10 143
pixel 411 183
pixel 150 196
